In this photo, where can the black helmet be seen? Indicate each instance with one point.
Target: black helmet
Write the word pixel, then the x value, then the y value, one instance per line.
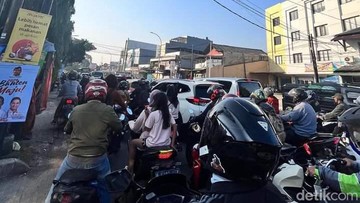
pixel 123 85
pixel 351 117
pixel 311 95
pixel 72 75
pixel 141 82
pixel 216 92
pixel 238 137
pixel 298 95
pixel 268 91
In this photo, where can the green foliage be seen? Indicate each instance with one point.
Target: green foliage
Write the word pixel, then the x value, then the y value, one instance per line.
pixel 78 49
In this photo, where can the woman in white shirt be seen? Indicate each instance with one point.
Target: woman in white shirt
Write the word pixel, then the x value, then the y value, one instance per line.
pixel 160 129
pixel 173 103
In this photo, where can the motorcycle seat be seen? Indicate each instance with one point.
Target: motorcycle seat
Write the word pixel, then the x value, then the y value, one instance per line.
pixel 77 175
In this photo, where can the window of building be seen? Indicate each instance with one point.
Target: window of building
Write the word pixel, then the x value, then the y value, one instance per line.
pixel 321 30
pixel 323 55
pixel 318 7
pixel 351 23
pixel 294 15
pixel 297 58
pixel 295 36
pixel 276 21
pixel 277 40
pixel 278 59
pixel 345 1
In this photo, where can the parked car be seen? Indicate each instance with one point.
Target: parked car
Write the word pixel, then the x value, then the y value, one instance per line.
pixel 324 91
pixel 242 87
pixel 192 95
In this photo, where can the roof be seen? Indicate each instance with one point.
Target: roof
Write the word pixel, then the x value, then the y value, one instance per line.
pixel 348 35
pixel 236 55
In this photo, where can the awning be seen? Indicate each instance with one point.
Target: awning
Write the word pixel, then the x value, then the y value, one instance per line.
pixel 353 34
pixel 349 69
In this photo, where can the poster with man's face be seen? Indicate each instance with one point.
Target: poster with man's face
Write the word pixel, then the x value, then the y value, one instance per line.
pixel 16 86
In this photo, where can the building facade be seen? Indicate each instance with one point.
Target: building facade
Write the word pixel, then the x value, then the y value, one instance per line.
pixel 289 26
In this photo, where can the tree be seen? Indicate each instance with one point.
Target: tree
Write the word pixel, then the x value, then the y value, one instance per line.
pixel 77 50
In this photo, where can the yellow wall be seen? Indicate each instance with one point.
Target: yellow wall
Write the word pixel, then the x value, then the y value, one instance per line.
pixel 276 50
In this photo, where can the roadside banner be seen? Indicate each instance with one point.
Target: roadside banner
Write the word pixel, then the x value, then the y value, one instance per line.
pixel 16 86
pixel 27 38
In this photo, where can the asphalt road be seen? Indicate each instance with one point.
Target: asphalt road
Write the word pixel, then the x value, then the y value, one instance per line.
pixel 44 154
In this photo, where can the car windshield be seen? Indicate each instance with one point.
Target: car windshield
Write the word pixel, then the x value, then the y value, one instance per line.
pixel 201 91
pixel 246 88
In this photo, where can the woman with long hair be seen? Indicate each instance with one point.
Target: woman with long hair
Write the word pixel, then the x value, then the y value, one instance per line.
pixel 173 103
pixel 159 130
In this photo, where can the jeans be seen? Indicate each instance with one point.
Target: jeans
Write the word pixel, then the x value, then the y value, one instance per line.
pixel 100 164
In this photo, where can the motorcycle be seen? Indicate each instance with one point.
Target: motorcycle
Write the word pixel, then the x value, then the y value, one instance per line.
pixel 164 188
pixel 290 178
pixel 116 137
pixel 327 126
pixel 155 161
pixel 68 105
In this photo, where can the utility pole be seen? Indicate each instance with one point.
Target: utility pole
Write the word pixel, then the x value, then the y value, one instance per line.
pixel 210 67
pixel 192 61
pixel 313 57
pixel 243 56
pixel 9 25
pixel 126 52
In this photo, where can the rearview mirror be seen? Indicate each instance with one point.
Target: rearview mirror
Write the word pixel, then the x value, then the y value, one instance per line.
pixel 129 111
pixel 122 117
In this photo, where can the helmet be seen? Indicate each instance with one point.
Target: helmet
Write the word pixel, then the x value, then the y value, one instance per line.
pixel 298 95
pixel 141 82
pixel 239 141
pixel 257 96
pixel 215 92
pixel 229 96
pixel 311 95
pixel 351 117
pixel 72 75
pixel 123 85
pixel 268 91
pixel 96 90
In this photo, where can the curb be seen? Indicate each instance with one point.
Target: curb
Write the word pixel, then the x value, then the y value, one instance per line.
pixel 12 166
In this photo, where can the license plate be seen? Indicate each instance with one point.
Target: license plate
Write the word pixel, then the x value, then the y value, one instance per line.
pixel 166 172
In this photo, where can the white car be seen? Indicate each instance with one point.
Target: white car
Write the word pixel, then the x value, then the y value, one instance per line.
pixel 192 95
pixel 242 87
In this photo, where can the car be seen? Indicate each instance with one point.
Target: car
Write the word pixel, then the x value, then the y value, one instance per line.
pixel 192 94
pixel 98 74
pixel 324 92
pixel 242 87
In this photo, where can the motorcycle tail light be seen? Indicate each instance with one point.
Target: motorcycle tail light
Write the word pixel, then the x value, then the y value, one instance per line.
pixel 66 198
pixel 69 101
pixel 166 154
pixel 307 148
pixel 336 140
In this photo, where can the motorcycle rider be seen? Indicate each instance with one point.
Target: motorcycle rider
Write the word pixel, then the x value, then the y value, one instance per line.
pixel 258 97
pixel 113 96
pixel 241 150
pixel 123 90
pixel 340 182
pixel 70 89
pixel 271 99
pixel 88 125
pixel 139 97
pixel 339 109
pixel 302 119
pixel 174 104
pixel 160 129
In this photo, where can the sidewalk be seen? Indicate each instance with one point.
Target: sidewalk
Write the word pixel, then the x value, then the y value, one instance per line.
pixel 44 153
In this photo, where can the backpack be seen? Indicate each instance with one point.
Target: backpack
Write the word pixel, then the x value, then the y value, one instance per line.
pixel 275 120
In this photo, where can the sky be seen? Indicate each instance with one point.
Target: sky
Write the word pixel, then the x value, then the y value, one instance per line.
pixel 109 23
